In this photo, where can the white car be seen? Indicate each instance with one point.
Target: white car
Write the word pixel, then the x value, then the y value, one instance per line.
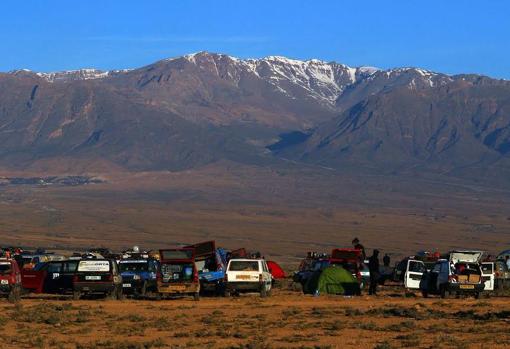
pixel 462 273
pixel 247 275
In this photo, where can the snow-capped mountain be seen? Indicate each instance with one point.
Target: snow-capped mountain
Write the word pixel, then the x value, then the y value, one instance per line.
pixel 191 110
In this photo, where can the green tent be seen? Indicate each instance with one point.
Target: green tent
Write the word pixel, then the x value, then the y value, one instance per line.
pixel 332 280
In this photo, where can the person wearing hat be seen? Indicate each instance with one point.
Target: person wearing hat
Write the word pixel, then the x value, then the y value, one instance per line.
pixel 373 266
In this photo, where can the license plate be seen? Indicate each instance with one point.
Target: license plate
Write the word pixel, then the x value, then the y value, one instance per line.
pixel 176 288
pixel 5 282
pixel 243 277
pixel 467 287
pixel 126 285
pixel 92 277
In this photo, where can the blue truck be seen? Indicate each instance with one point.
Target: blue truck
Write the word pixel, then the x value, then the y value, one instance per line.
pixel 211 264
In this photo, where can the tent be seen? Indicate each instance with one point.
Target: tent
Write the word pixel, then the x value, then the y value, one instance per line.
pixel 275 270
pixel 332 280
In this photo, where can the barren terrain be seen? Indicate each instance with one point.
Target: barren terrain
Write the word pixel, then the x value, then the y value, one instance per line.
pixel 285 320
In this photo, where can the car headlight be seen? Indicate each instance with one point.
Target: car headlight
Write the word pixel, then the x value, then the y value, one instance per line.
pixel 136 277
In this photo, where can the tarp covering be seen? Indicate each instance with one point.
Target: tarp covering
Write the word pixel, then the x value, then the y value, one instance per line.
pixel 332 280
pixel 275 270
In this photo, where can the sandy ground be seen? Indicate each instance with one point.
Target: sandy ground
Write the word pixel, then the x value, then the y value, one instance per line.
pixel 287 319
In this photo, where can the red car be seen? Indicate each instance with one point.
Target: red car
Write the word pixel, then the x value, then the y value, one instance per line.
pixel 178 273
pixel 350 259
pixel 10 280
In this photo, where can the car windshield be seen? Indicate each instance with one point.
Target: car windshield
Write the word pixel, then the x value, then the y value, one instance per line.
pixel 5 268
pixel 134 266
pixel 244 266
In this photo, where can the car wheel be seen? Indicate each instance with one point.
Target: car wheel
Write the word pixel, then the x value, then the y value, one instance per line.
pixel 196 296
pixel 120 295
pixel 477 295
pixel 13 296
pixel 425 294
pixel 263 292
pixel 444 292
pixel 76 295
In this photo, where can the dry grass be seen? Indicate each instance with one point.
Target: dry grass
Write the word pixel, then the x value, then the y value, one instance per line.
pixel 286 320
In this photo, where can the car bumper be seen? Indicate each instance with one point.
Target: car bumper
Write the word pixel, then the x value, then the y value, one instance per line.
pixel 94 287
pixel 465 288
pixel 244 286
pixel 177 288
pixel 136 286
pixel 5 289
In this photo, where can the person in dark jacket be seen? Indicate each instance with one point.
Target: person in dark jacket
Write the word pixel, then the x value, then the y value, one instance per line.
pixel 386 260
pixel 373 266
pixel 358 246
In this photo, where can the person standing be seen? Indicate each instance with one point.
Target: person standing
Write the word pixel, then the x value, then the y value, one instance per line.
pixel 386 260
pixel 373 267
pixel 358 246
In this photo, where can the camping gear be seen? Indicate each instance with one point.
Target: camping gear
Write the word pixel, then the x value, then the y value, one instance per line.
pixel 332 280
pixel 275 270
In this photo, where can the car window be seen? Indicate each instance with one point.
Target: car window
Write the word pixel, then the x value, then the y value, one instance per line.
pixel 54 268
pixel 134 266
pixel 5 268
pixel 244 266
pixel 264 266
pixel 487 268
pixel 416 267
pixel 70 267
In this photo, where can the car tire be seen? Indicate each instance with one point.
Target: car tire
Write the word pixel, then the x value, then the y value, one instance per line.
pixel 477 295
pixel 444 292
pixel 14 295
pixel 263 292
pixel 76 295
pixel 227 293
pixel 196 296
pixel 425 294
pixel 119 294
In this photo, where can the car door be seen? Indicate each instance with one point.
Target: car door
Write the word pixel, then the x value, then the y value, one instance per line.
pixel 488 275
pixel 413 274
pixel 33 280
pixel 266 275
pixel 53 275
pixel 65 282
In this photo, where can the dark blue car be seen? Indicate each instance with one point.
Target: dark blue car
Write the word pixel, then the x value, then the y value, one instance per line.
pixel 139 276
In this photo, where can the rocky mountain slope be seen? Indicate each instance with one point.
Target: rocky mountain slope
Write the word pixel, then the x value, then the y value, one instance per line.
pixel 196 109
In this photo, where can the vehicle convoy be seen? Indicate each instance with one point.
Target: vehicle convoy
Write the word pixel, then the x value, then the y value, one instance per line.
pixel 211 263
pixel 139 276
pixel 10 280
pixel 248 275
pixel 97 276
pixel 178 274
pixel 50 277
pixel 460 274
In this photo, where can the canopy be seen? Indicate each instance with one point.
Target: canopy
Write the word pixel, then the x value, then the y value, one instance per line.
pixel 275 270
pixel 332 280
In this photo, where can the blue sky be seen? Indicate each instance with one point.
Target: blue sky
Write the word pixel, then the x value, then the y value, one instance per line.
pixel 448 35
